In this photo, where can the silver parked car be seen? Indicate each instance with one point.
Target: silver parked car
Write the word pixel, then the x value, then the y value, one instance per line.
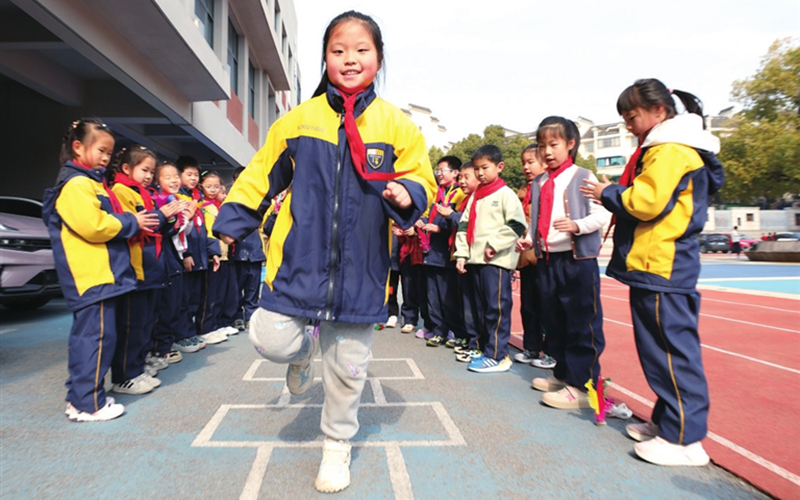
pixel 27 270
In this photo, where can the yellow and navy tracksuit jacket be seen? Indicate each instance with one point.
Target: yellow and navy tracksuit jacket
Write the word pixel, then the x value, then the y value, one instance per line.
pixel 90 244
pixel 659 216
pixel 329 252
pixel 151 271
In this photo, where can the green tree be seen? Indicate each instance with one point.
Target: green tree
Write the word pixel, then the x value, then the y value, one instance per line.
pixel 590 162
pixel 510 146
pixel 434 153
pixel 762 155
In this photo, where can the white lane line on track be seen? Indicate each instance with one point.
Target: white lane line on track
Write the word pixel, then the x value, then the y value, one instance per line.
pixel 715 288
pixel 760 325
pixel 755 360
pixel 766 278
pixel 763 462
pixel 706 299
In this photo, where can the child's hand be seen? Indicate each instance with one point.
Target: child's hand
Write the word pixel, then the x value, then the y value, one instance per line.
pixel 445 210
pixel 215 258
pixel 188 264
pixel 565 225
pixel 431 228
pixel 594 189
pixel 191 208
pixel 228 240
pixel 397 195
pixel 489 254
pixel 146 221
pixel 523 245
pixel 171 208
pixel 410 231
pixel 418 224
pixel 460 263
pixel 397 231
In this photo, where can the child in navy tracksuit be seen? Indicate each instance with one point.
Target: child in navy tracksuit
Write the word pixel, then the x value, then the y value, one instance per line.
pixel 487 232
pixel 130 175
pixel 565 233
pixel 248 258
pixel 440 271
pixel 194 304
pixel 89 231
pixel 660 205
pixel 168 308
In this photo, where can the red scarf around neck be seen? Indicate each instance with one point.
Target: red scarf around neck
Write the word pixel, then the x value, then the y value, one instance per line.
pixel 122 178
pixel 482 192
pixel 546 200
pixel 116 206
pixel 358 151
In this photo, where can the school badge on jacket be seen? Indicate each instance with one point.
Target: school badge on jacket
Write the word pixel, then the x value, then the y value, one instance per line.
pixel 375 157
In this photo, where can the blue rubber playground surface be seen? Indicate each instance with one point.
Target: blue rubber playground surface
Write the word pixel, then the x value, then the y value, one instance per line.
pixel 223 426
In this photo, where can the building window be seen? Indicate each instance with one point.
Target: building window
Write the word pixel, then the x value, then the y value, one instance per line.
pixel 750 218
pixel 590 147
pixel 277 14
pixel 611 142
pixel 797 219
pixel 204 11
pixel 284 41
pixel 251 105
pixel 611 161
pixel 233 57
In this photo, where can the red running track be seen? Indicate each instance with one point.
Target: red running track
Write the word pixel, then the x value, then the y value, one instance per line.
pixel 751 353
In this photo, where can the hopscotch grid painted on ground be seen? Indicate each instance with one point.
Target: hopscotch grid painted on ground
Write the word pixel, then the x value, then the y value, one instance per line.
pixel 398 473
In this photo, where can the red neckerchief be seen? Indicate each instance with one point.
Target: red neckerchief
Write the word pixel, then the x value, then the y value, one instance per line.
pixel 546 200
pixel 482 192
pixel 199 218
pixel 444 197
pixel 626 180
pixel 358 151
pixel 125 180
pixel 526 200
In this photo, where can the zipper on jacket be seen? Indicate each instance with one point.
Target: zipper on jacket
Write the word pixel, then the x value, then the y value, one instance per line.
pixel 334 232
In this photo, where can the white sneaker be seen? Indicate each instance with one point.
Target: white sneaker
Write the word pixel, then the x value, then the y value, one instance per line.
pixel 334 471
pixel 150 370
pixel 110 411
pixel 229 330
pixel 661 452
pixel 214 337
pixel 300 374
pixel 136 385
pixel 643 431
pixel 173 356
pixel 391 322
pixel 154 382
pixel 157 362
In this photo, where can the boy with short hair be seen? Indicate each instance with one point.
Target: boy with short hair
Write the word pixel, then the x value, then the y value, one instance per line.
pixel 440 272
pixel 487 233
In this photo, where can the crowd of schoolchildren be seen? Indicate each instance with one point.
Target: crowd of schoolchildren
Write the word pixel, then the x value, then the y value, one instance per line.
pixel 154 266
pixel 138 266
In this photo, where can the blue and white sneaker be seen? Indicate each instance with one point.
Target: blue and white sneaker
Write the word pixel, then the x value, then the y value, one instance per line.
pixel 185 345
pixel 300 374
pixel 484 364
pixel 198 341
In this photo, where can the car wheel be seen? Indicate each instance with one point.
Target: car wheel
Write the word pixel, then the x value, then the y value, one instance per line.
pixel 703 249
pixel 27 305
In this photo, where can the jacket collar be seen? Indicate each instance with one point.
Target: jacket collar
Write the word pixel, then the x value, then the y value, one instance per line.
pixel 70 169
pixel 363 100
pixel 686 129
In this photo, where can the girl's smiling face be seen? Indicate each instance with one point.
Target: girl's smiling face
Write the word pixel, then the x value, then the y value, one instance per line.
pixel 142 172
pixel 169 179
pixel 211 187
pixel 351 58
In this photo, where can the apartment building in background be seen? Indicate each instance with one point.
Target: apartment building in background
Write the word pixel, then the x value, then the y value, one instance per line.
pixel 434 132
pixel 199 77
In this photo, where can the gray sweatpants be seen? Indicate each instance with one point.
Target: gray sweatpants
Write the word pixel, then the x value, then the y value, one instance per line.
pixel 345 356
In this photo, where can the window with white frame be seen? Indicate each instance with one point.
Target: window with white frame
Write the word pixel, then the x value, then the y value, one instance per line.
pixel 610 142
pixel 251 82
pixel 233 57
pixel 204 11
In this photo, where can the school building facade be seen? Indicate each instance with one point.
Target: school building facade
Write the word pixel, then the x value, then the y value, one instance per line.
pixel 199 77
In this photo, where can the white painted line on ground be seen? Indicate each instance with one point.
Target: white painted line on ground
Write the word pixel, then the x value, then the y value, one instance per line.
pixel 715 288
pixel 398 473
pixel 9 330
pixel 760 325
pixel 763 462
pixel 416 374
pixel 751 278
pixel 377 391
pixel 749 358
pixel 254 479
pixel 794 311
pixel 252 370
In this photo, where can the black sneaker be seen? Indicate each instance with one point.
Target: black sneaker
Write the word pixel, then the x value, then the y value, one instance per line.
pixel 435 341
pixel 239 324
